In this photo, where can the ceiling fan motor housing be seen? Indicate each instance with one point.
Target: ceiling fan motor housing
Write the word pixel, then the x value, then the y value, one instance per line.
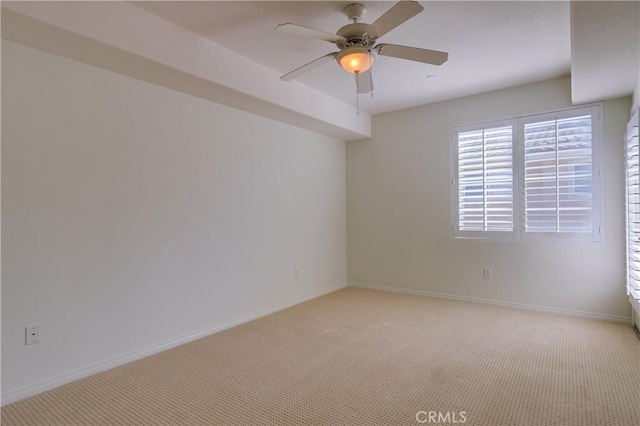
pixel 356 34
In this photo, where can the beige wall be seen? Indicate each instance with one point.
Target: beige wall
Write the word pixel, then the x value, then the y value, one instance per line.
pixel 398 215
pixel 135 217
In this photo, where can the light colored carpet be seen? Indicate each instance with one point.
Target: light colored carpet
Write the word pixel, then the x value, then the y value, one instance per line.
pixel 361 357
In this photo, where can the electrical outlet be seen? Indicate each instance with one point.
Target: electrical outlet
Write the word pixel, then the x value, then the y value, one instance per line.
pixel 486 273
pixel 32 334
pixel 296 272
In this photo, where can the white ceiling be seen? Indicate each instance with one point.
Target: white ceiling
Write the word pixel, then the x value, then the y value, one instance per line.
pixel 491 45
pixel 230 53
pixel 605 49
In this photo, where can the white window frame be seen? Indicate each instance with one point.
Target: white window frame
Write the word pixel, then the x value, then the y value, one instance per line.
pixel 518 123
pixel 633 283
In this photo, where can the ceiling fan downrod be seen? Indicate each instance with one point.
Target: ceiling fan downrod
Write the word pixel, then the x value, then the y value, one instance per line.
pixel 354 11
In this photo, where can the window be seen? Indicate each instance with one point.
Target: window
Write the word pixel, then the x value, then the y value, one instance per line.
pixel 485 180
pixel 529 177
pixel 632 167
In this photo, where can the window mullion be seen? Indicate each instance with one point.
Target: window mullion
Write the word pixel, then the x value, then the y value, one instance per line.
pixel 557 171
pixel 484 181
pixel 518 178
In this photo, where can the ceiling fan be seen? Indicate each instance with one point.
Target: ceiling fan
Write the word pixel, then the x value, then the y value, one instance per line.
pixel 357 43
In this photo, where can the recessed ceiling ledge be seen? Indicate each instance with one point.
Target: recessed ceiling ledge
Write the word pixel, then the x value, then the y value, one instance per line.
pixel 128 40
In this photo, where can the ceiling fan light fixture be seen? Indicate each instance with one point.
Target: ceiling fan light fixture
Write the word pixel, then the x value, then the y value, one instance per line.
pixel 356 59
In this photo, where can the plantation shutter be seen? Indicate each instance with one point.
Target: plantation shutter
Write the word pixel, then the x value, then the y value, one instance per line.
pixel 558 175
pixel 485 179
pixel 632 167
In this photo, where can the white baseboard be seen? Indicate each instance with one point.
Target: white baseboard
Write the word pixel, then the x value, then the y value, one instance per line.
pixel 547 309
pixel 107 364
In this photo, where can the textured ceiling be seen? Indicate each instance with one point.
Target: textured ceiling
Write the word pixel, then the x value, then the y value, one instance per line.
pixel 605 49
pixel 491 45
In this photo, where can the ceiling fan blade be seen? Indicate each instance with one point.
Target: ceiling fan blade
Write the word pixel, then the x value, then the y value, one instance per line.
pixel 310 33
pixel 364 82
pixel 433 57
pixel 308 67
pixel 398 14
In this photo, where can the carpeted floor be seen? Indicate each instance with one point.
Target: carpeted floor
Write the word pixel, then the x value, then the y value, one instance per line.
pixel 361 357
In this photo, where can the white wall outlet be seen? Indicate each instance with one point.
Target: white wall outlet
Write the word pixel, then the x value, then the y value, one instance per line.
pixel 296 272
pixel 32 334
pixel 486 273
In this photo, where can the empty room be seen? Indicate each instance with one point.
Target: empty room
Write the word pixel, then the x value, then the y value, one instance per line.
pixel 320 213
